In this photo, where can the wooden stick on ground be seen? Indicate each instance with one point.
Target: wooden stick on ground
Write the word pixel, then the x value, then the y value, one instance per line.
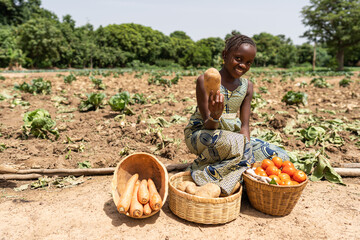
pixel 13 174
pixel 36 173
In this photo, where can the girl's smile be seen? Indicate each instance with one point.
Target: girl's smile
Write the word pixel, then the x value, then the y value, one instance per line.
pixel 238 61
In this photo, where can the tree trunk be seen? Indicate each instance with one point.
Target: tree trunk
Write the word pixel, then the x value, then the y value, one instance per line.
pixel 314 58
pixel 340 58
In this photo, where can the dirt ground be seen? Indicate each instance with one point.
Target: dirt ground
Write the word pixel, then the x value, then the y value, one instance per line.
pixel 86 211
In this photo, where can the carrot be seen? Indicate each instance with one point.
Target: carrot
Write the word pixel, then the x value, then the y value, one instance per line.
pixel 136 208
pixel 143 193
pixel 125 198
pixel 155 199
pixel 147 209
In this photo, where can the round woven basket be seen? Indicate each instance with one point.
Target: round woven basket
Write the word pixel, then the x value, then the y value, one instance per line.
pixel 199 209
pixel 147 166
pixel 272 199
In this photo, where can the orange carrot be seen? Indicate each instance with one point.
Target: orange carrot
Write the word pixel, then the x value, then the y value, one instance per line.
pixel 147 209
pixel 125 198
pixel 143 193
pixel 136 208
pixel 155 199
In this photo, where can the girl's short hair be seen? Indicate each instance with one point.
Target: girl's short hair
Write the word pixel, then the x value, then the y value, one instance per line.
pixel 236 40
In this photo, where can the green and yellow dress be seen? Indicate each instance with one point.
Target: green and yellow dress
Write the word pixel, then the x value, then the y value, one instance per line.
pixel 224 154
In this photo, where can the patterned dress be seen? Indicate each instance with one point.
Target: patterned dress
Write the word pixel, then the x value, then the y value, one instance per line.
pixel 223 154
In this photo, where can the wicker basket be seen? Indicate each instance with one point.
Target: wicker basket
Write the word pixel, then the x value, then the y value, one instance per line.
pixel 199 209
pixel 272 199
pixel 147 166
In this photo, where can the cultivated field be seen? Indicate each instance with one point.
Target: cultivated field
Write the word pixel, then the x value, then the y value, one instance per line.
pixel 160 104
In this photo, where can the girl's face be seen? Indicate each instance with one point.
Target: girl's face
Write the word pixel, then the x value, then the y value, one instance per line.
pixel 238 60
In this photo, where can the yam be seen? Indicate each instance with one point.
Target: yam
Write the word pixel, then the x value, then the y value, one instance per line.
pixel 209 190
pixel 182 185
pixel 212 80
pixel 191 189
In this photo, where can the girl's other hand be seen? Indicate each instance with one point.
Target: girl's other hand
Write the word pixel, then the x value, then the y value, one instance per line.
pixel 216 104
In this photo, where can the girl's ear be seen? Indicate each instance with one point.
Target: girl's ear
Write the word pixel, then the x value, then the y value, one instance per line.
pixel 224 54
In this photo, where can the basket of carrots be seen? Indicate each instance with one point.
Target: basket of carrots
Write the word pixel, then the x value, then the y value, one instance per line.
pixel 274 186
pixel 139 185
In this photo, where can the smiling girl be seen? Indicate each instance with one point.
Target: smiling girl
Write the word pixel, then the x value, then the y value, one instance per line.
pixel 218 132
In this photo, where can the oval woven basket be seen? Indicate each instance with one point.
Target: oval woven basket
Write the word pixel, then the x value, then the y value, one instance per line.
pixel 147 166
pixel 199 209
pixel 272 199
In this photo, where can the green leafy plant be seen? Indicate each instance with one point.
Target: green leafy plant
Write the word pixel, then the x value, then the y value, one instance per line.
pixel 37 86
pixel 157 79
pixel 39 124
pixel 345 82
pixel 98 83
pixel 295 98
pixel 138 98
pixel 85 164
pixel 2 147
pixel 119 101
pixel 263 89
pixel 2 78
pixel 313 135
pixel 93 102
pixel 69 78
pixel 320 83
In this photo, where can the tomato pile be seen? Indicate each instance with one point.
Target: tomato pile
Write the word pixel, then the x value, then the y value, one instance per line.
pixel 282 172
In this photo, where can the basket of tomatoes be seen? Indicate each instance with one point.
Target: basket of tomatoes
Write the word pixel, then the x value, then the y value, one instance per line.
pixel 280 189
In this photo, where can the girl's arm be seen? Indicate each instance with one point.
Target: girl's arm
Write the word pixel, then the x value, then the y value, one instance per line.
pixel 245 109
pixel 212 106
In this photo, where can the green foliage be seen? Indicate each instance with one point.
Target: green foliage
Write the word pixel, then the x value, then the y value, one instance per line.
pixel 2 78
pixel 263 89
pixel 257 102
pixel 40 39
pixel 31 36
pixel 84 164
pixel 98 83
pixel 2 147
pixel 157 79
pixel 119 101
pixel 69 78
pixel 295 98
pixel 138 98
pixel 92 103
pixel 316 165
pixel 39 124
pixel 345 82
pixel 320 82
pixel 38 86
pixel 313 135
pixel 335 23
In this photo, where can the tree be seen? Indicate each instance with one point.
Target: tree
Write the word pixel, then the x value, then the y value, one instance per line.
pixel 16 12
pixel 334 22
pixel 267 47
pixel 305 53
pixel 41 40
pixel 10 54
pixel 142 42
pixel 216 46
pixel 286 52
pixel 180 35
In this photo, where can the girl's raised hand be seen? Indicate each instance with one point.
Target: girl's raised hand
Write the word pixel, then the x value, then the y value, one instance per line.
pixel 216 104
